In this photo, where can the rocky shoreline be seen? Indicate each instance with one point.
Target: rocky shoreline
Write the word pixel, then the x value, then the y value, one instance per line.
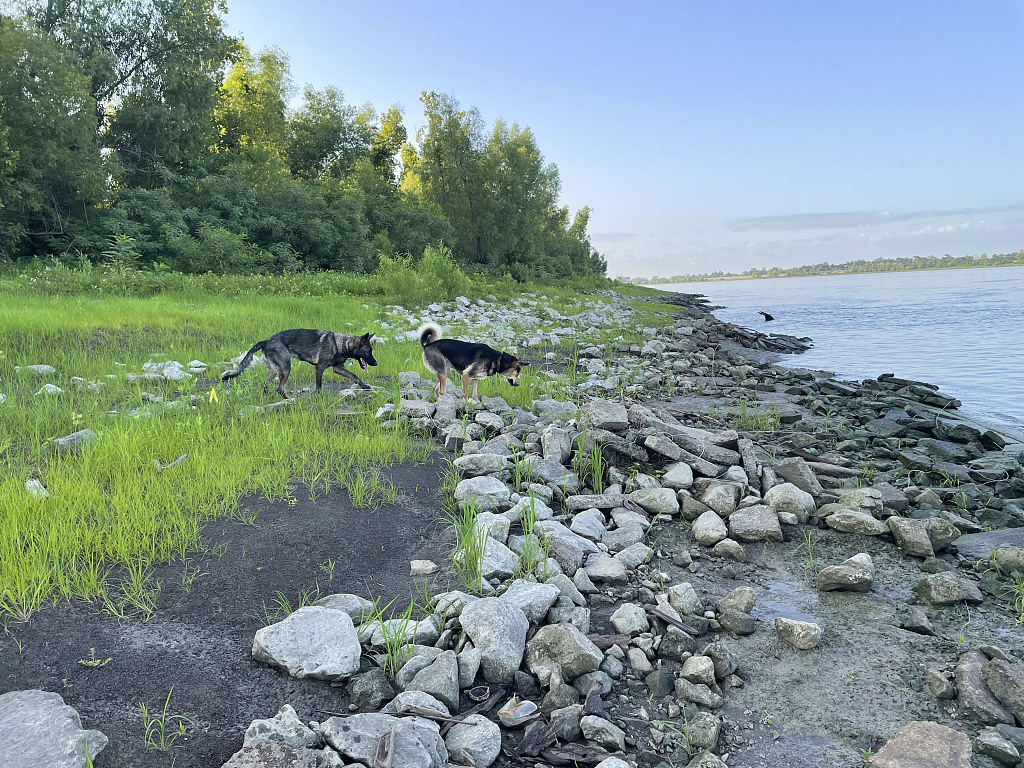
pixel 695 557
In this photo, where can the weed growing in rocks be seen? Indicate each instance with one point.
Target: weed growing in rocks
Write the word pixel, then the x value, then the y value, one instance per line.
pixel 468 553
pixel 756 420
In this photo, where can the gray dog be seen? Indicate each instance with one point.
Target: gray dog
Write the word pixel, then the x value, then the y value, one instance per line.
pixel 323 349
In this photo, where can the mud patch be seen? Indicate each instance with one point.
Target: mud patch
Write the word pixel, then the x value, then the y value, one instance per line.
pixel 200 640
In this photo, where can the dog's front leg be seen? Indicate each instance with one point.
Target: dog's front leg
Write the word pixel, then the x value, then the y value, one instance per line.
pixel 349 375
pixel 320 377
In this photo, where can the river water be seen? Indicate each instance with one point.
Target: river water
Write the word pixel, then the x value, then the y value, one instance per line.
pixel 961 329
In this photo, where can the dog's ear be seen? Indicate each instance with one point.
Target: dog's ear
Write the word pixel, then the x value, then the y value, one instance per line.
pixel 369 336
pixel 365 337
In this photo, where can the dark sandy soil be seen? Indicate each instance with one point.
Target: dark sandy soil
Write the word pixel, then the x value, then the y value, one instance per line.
pixel 200 641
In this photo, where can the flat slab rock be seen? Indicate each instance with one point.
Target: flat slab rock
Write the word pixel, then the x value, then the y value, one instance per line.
pixel 924 745
pixel 980 546
pixel 38 729
pixel 311 642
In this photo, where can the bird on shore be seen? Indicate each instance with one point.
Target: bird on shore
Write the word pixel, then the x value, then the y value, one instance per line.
pixel 767 318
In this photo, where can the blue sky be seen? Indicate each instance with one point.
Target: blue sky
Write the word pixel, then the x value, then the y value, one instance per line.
pixel 714 135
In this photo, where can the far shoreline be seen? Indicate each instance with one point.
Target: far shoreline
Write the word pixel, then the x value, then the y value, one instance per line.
pixel 733 278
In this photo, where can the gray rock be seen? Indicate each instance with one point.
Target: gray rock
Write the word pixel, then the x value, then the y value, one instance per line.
pixel 354 605
pixel 606 570
pixel 941 533
pixel 856 574
pixel 924 745
pixel 532 598
pixel 802 635
pixel 737 621
pixel 740 599
pixel 623 537
pixel 38 729
pixel 721 496
pixel 555 409
pixel 656 501
pixel 699 669
pixel 554 474
pixel 487 492
pixel 725 661
pixel 285 728
pixel 604 734
pixel 602 414
pixel 417 741
pixel 946 588
pixel 566 722
pixel 856 521
pixel 790 498
pixel 939 685
pixel 634 555
pixel 630 619
pixel 478 464
pixel 704 731
pixel 440 679
pixel 865 499
pixel 1006 682
pixel 407 700
pixel 730 549
pixel 684 599
pixel 566 588
pixel 556 444
pixel 677 476
pixel 757 523
pixel 589 524
pixel 975 700
pixel 498 561
pixel 1009 559
pixel 796 471
pixel 980 546
pixel 370 690
pixel 563 650
pixel 991 744
pixel 706 760
pixel 416 409
pixel 911 536
pixel 469 665
pixel 498 628
pixel 709 529
pixel 272 754
pixel 312 642
pixel 698 693
pixel 74 442
pixel 474 741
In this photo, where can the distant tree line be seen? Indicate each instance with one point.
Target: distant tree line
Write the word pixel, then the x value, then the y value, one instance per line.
pixel 851 268
pixel 140 132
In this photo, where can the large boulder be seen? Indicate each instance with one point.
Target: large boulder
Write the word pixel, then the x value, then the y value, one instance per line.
pixel 656 501
pixel 498 628
pixel 946 588
pixel 911 536
pixel 796 471
pixel 974 698
pixel 313 642
pixel 285 728
pixel 38 729
pixel 439 679
pixel 1006 682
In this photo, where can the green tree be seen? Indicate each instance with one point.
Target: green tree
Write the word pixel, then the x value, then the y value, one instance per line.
pixel 252 104
pixel 326 140
pixel 55 171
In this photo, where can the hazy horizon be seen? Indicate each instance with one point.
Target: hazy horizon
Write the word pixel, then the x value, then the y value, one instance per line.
pixel 713 137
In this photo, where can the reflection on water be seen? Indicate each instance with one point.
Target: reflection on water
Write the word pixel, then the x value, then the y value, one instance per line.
pixel 960 329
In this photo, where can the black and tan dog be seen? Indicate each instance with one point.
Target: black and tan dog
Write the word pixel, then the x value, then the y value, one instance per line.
pixel 323 349
pixel 471 361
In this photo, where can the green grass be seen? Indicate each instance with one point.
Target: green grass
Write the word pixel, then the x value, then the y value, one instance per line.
pixel 112 514
pixel 162 730
pixel 755 420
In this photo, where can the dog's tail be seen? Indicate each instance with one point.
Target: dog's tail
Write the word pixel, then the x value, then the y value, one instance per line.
pixel 246 361
pixel 429 333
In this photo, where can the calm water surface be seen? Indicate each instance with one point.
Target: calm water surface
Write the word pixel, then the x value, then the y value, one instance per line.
pixel 960 329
